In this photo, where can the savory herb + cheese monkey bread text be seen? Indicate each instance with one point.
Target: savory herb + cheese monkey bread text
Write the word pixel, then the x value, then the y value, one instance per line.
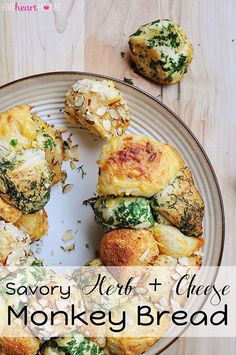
pixel 161 51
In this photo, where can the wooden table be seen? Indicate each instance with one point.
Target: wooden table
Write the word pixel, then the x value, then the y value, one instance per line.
pixel 89 35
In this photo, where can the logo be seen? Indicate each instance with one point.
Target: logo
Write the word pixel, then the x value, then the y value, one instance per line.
pixel 28 7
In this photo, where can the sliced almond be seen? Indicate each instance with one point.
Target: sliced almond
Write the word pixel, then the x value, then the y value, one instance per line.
pixel 67 188
pixel 144 255
pixel 107 125
pixel 119 131
pixel 101 111
pixel 74 152
pixel 183 261
pixel 69 248
pixel 121 111
pixel 72 165
pixel 113 113
pixel 63 176
pixel 79 102
pixel 68 235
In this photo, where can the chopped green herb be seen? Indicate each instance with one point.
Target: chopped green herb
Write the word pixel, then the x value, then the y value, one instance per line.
pixel 137 33
pixel 128 81
pixel 151 42
pixel 49 143
pixel 13 142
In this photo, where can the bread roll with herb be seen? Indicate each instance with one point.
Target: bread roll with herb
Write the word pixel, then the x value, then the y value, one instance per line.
pixel 74 344
pixel 161 51
pixel 20 130
pixel 123 212
pixel 25 180
pixel 181 203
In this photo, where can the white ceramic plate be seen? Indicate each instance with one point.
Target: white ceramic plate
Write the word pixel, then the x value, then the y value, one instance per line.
pixel 46 92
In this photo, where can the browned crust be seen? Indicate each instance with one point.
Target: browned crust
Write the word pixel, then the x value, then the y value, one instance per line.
pixel 125 247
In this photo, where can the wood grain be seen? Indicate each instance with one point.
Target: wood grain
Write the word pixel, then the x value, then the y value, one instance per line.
pixel 90 35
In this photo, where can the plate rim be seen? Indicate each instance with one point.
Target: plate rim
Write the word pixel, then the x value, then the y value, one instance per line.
pixel 144 92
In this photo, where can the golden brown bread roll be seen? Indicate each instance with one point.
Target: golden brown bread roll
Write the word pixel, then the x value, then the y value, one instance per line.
pixel 181 203
pixel 9 213
pixel 174 243
pixel 20 130
pixel 18 341
pixel 128 247
pixel 136 165
pixel 34 224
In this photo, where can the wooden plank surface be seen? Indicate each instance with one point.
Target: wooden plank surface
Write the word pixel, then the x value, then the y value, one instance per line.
pixel 90 34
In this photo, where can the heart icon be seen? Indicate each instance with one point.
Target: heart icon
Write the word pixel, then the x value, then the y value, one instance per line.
pixel 46 7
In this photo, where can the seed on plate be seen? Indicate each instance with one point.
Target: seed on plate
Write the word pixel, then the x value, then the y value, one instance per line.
pixel 67 188
pixel 69 248
pixel 68 235
pixel 106 124
pixel 101 111
pixel 74 152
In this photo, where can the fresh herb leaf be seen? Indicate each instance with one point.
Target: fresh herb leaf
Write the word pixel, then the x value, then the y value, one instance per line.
pixel 151 42
pixel 80 169
pixel 13 142
pixel 128 81
pixel 49 143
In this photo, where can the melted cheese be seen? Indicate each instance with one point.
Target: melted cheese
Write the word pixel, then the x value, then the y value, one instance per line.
pixel 17 130
pixel 136 165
